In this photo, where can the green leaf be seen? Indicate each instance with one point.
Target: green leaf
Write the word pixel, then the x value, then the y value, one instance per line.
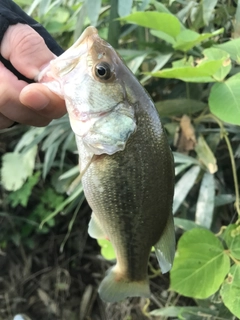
pixel 16 168
pixel 205 155
pixel 77 193
pixel 54 27
pixel 186 313
pixel 205 202
pixel 183 158
pixel 183 186
pixel 187 39
pixel 22 195
pixel 49 158
pixel 160 60
pixel 179 107
pixel 61 15
pixel 207 8
pixel 230 291
pixel 93 9
pixel 124 7
pixel 203 72
pixel 161 21
pixel 27 138
pixel 232 238
pixel 185 224
pixel 232 47
pixel 107 250
pixel 223 199
pixel 218 54
pixel 224 100
pixel 200 265
pixel 164 36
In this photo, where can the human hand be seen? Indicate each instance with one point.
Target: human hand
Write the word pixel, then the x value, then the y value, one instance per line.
pixel 32 104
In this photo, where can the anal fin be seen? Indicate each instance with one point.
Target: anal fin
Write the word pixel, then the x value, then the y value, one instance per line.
pixel 165 247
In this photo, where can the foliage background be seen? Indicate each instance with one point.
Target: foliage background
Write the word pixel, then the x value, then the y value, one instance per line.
pixel 186 54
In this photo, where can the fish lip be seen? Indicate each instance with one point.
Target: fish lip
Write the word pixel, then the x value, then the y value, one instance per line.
pixel 49 69
pixel 89 31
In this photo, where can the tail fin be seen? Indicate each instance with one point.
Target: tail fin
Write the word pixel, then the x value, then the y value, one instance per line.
pixel 115 288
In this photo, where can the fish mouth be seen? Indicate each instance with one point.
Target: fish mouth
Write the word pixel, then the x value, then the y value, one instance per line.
pixel 67 61
pixel 88 32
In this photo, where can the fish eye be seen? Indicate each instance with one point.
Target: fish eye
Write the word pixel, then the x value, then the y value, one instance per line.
pixel 103 71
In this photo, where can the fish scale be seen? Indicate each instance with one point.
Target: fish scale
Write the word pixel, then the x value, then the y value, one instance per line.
pixel 125 161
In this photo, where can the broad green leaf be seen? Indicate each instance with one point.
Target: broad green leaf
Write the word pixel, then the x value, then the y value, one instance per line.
pixel 218 54
pixel 179 107
pixel 232 238
pixel 107 250
pixel 183 186
pixel 185 224
pixel 124 7
pixel 164 36
pixel 224 100
pixel 205 202
pixel 161 21
pixel 200 264
pixel 230 290
pixel 232 47
pixel 205 155
pixel 16 168
pixel 93 9
pixel 203 72
pixel 187 39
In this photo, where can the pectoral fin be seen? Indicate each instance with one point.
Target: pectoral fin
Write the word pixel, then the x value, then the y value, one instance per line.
pixel 109 134
pixel 95 229
pixel 165 247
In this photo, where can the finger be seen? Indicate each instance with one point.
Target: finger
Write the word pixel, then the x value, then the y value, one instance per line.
pixel 5 122
pixel 30 52
pixel 43 101
pixel 10 107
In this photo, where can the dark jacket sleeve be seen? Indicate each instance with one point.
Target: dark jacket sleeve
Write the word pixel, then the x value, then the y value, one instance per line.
pixel 10 14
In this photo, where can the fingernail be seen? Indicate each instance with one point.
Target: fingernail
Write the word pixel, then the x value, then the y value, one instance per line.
pixel 38 102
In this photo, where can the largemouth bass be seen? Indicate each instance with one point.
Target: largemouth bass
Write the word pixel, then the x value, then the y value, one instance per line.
pixel 125 160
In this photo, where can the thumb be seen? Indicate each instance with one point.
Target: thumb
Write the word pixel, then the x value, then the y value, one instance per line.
pixel 25 49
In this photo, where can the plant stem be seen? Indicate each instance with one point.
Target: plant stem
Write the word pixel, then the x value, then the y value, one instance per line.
pixel 237 202
pixel 237 262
